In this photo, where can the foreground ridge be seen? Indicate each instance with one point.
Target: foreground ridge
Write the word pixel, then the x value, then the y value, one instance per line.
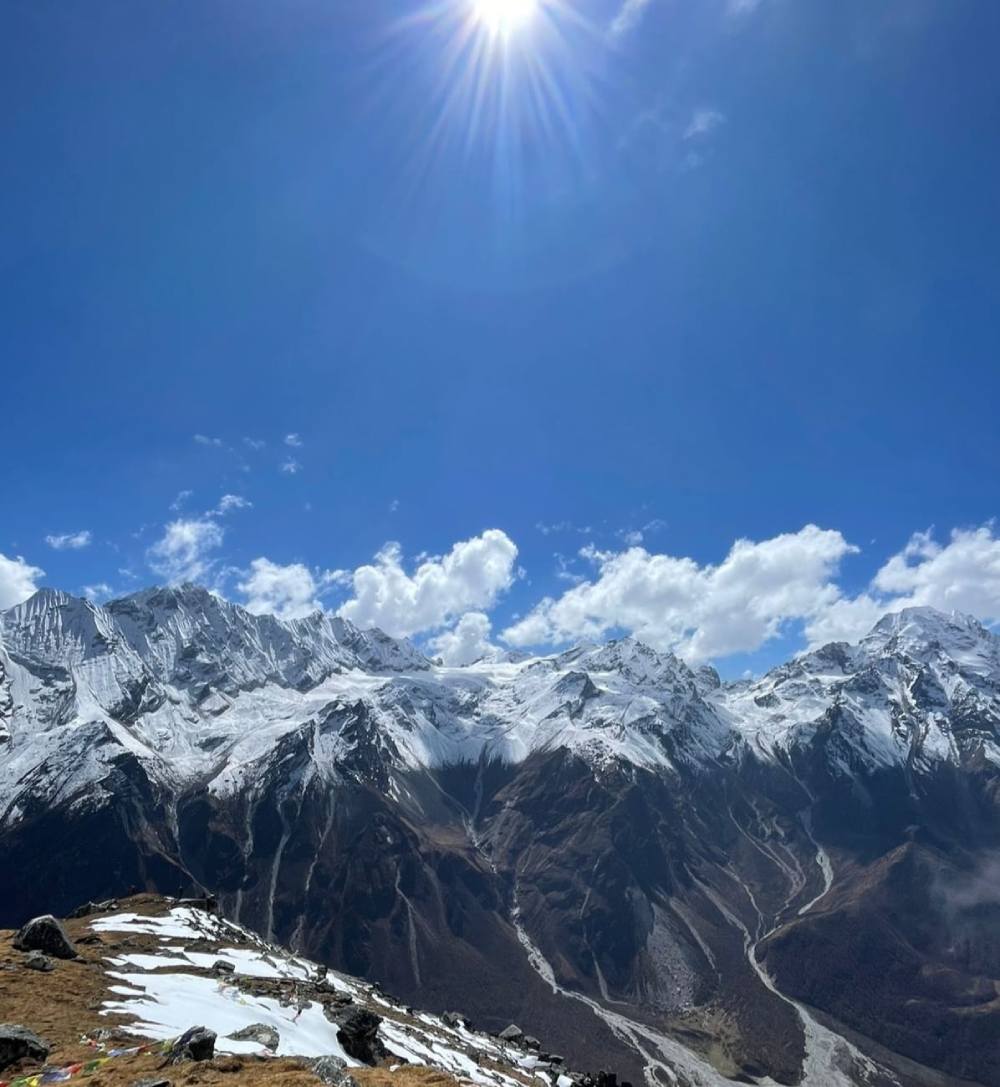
pixel 144 969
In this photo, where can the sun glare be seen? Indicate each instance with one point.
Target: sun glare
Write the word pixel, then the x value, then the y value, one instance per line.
pixel 503 17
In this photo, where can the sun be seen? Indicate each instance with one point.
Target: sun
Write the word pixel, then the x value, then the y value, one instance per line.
pixel 503 17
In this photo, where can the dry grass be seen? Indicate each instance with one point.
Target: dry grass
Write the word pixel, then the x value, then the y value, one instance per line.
pixel 63 1005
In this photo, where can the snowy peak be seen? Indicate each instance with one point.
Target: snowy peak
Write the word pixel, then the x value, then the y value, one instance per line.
pixel 922 687
pixel 57 629
pixel 919 631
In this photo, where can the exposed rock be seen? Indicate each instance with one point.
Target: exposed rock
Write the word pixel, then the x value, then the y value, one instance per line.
pixel 45 934
pixel 513 1033
pixel 221 967
pixel 358 1034
pixel 453 1019
pixel 531 1042
pixel 35 960
pixel 331 1070
pixel 94 907
pixel 152 1082
pixel 18 1043
pixel 265 1035
pixel 195 1044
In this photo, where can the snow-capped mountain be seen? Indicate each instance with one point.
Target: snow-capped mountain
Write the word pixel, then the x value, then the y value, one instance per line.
pixel 635 848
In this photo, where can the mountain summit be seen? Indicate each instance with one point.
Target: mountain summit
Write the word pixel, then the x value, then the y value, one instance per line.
pixel 641 855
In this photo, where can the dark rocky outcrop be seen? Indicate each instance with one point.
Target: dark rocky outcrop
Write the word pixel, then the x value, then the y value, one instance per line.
pixel 195 1044
pixel 17 1043
pixel 358 1034
pixel 47 935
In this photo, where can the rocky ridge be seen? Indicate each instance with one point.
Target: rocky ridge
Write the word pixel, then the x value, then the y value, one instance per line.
pixel 131 972
pixel 631 854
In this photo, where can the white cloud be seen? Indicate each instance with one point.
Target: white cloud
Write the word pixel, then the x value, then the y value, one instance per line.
pixel 701 611
pixel 289 592
pixel 254 443
pixel 394 505
pixel 101 591
pixel 960 575
pixel 183 552
pixel 291 466
pixel 230 502
pixel 180 500
pixel 203 439
pixel 470 577
pixel 293 440
pixel 18 580
pixel 628 18
pixel 69 541
pixel 703 121
pixel 467 641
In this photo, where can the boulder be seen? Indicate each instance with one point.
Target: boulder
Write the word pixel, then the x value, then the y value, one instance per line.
pixel 358 1034
pixel 35 960
pixel 195 1044
pixel 331 1070
pixel 531 1043
pixel 452 1019
pixel 513 1033
pixel 17 1043
pixel 45 934
pixel 261 1033
pixel 152 1082
pixel 221 968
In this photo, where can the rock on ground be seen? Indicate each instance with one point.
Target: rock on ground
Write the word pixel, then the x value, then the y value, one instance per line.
pixel 17 1043
pixel 45 934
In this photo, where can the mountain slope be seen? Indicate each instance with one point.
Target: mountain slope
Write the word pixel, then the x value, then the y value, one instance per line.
pixel 633 852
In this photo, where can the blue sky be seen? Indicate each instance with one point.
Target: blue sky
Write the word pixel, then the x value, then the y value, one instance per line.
pixel 701 271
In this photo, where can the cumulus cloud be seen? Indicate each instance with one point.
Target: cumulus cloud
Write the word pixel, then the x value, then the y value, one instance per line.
pixel 960 575
pixel 291 466
pixel 293 440
pixel 69 541
pixel 18 580
pixel 467 641
pixel 469 578
pixel 184 551
pixel 289 592
pixel 204 439
pixel 701 611
pixel 181 499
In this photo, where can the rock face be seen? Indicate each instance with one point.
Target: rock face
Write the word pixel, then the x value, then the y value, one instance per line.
pixel 17 1043
pixel 265 1035
pixel 195 1044
pixel 45 934
pixel 603 843
pixel 358 1034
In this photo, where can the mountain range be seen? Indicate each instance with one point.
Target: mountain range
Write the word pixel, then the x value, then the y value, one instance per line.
pixel 789 879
